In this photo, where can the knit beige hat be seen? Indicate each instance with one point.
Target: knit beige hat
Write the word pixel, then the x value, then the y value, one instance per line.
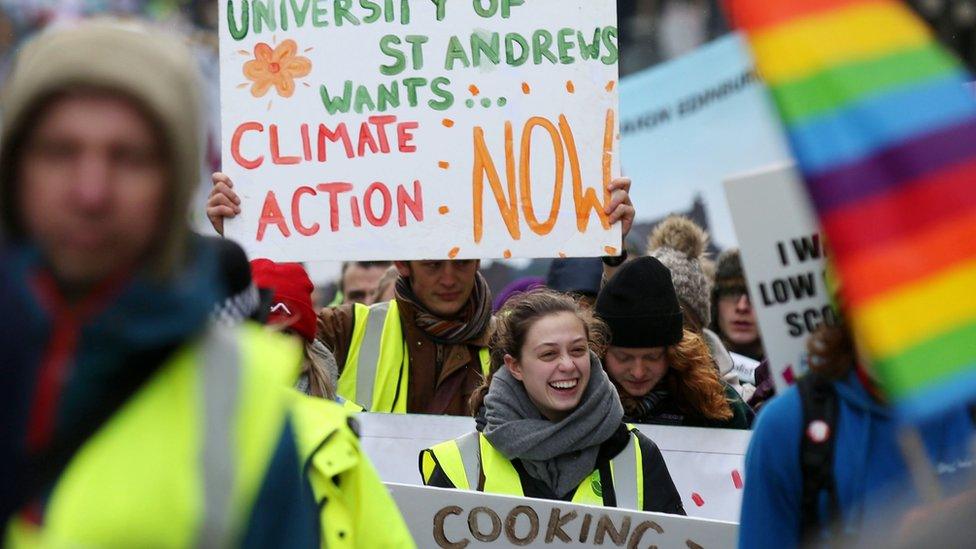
pixel 680 244
pixel 153 68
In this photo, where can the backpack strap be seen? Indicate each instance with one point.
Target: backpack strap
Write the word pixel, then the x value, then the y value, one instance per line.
pixel 820 416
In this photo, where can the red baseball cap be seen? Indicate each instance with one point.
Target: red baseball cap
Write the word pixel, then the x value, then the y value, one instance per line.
pixel 291 304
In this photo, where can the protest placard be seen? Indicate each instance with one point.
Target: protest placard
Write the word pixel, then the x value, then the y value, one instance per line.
pixel 454 519
pixel 706 465
pixel 785 264
pixel 420 130
pixel 689 124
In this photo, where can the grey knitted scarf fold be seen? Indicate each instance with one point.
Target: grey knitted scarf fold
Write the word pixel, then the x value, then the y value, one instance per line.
pixel 559 454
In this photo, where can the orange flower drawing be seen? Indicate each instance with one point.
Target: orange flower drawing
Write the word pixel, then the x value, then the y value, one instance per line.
pixel 279 67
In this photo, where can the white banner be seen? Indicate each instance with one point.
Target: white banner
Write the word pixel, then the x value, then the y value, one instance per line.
pixel 454 519
pixel 705 464
pixel 784 260
pixel 689 124
pixel 420 130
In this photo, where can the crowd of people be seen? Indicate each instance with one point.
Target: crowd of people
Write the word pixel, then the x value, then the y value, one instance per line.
pixel 149 363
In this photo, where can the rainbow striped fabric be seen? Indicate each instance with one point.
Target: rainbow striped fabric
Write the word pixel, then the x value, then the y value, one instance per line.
pixel 884 132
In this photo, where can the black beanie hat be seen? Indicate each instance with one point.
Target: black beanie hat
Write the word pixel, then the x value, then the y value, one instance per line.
pixel 640 306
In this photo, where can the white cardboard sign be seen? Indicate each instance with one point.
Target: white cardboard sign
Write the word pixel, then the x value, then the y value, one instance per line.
pixel 784 261
pixel 420 129
pixel 454 519
pixel 706 465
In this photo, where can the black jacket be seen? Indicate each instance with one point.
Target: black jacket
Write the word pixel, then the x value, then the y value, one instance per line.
pixel 658 408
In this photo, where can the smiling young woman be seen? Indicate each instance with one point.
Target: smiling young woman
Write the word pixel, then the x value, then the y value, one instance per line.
pixel 550 423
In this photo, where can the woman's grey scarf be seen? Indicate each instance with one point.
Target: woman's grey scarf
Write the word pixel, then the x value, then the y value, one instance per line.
pixel 559 454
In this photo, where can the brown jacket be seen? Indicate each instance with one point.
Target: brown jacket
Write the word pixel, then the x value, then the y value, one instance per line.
pixel 441 377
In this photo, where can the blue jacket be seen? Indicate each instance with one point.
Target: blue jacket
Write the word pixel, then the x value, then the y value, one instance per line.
pixel 873 484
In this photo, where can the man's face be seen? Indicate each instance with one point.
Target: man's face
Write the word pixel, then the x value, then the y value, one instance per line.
pixel 442 286
pixel 92 183
pixel 737 318
pixel 359 284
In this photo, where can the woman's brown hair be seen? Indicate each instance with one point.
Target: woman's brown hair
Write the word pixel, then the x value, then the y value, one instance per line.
pixel 516 318
pixel 693 379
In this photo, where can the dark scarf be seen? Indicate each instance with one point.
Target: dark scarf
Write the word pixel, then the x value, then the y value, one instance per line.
pixel 470 323
pixel 559 454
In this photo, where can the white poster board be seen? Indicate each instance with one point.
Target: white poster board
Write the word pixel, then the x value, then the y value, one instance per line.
pixel 784 261
pixel 706 465
pixel 420 130
pixel 689 124
pixel 454 519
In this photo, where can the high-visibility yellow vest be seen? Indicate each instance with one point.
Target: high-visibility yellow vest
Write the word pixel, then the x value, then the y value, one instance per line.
pixel 465 459
pixel 376 375
pixel 180 464
pixel 350 494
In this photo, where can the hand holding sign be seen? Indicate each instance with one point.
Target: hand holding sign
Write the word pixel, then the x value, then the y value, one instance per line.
pixel 434 131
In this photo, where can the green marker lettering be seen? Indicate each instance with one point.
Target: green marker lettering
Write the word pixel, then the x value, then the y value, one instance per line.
pixel 387 46
pixel 263 16
pixel 441 9
pixel 485 12
pixel 238 33
pixel 340 9
pixel 374 10
pixel 455 52
pixel 404 12
pixel 363 100
pixel 417 41
pixel 564 45
pixel 388 96
pixel 542 42
pixel 591 50
pixel 439 87
pixel 480 47
pixel 412 84
pixel 507 7
pixel 336 104
pixel 511 40
pixel 299 13
pixel 320 15
pixel 610 41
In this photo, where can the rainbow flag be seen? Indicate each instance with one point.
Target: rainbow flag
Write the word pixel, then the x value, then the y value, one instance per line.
pixel 884 132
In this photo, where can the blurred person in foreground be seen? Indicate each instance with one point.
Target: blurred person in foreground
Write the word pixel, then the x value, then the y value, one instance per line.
pixel 137 421
pixel 825 465
pixel 426 350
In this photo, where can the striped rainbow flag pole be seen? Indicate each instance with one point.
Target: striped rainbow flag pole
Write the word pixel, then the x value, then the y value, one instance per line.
pixel 885 134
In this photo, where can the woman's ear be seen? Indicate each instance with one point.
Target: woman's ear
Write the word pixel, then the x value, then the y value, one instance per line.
pixel 513 367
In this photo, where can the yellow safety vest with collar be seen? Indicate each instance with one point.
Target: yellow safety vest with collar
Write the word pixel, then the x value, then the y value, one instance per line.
pixel 181 462
pixel 345 484
pixel 465 459
pixel 376 374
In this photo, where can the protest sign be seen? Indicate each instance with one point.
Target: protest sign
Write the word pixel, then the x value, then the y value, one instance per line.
pixel 784 262
pixel 454 519
pixel 689 124
pixel 420 130
pixel 705 464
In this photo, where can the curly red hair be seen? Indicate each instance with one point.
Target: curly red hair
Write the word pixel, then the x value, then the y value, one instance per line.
pixel 693 379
